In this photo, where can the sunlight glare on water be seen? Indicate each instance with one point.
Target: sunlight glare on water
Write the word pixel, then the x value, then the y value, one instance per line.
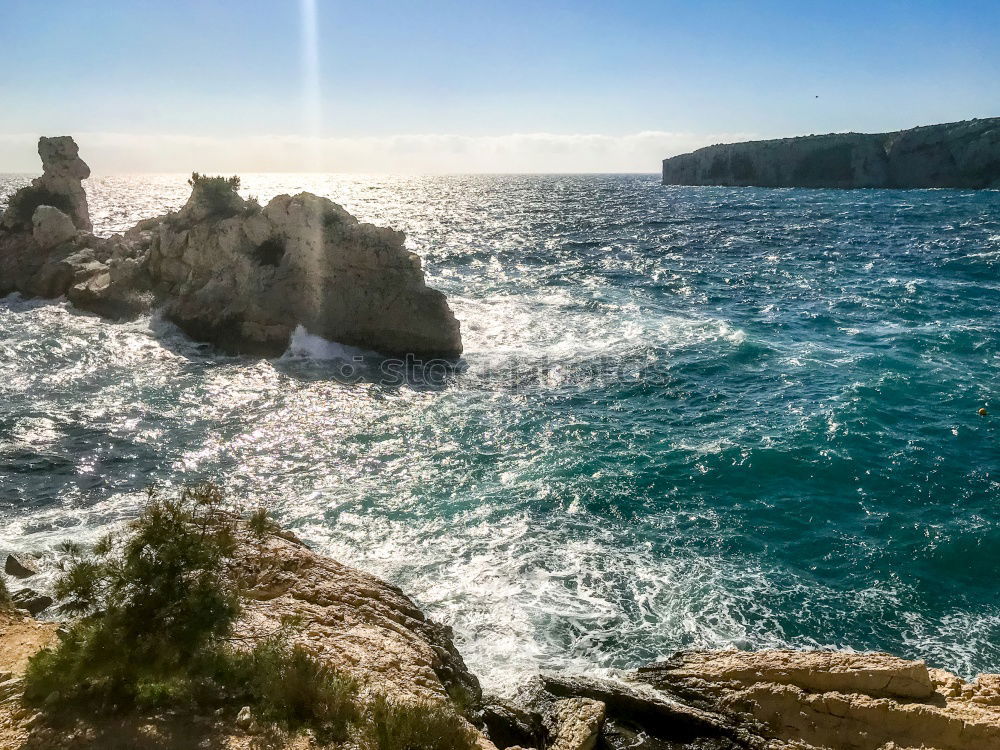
pixel 685 417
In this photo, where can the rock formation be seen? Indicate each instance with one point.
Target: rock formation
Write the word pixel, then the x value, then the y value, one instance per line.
pixel 224 269
pixel 773 700
pixel 839 700
pixel 61 183
pixel 352 620
pixel 955 155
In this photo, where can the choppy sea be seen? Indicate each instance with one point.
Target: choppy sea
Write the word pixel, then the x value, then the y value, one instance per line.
pixel 685 417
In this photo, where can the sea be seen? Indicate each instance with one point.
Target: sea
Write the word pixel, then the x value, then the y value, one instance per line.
pixel 686 417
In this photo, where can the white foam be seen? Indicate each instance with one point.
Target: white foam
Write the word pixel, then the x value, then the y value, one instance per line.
pixel 305 345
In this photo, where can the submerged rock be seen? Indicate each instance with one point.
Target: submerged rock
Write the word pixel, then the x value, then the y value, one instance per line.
pixel 226 270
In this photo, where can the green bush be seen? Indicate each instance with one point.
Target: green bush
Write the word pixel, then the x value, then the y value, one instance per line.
pixel 219 193
pixel 261 524
pixel 23 203
pixel 417 726
pixel 155 598
pixel 290 687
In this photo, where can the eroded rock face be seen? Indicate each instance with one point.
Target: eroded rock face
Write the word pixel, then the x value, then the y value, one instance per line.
pixel 878 675
pixel 765 700
pixel 226 270
pixel 60 186
pixel 954 155
pixel 839 701
pixel 352 620
pixel 577 724
pixel 247 280
pixel 51 227
pixel 63 172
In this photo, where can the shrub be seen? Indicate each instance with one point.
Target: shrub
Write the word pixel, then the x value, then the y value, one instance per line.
pixel 252 207
pixel 417 726
pixel 159 603
pixel 290 687
pixel 260 523
pixel 218 193
pixel 231 183
pixel 23 203
pixel 156 599
pixel 5 602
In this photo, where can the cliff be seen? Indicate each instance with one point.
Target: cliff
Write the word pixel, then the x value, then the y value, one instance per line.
pixel 224 269
pixel 954 155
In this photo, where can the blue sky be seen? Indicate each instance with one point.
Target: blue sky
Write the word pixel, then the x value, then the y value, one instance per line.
pixel 425 86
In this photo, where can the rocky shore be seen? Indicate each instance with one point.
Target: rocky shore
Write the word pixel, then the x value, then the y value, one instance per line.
pixel 954 155
pixel 704 700
pixel 224 269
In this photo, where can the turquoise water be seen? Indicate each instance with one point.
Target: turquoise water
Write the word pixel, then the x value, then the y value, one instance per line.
pixel 685 417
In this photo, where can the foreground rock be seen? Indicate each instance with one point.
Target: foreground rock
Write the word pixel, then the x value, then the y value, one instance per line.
pixel 778 700
pixel 347 618
pixel 955 155
pixel 838 700
pixel 352 620
pixel 224 269
pixel 696 700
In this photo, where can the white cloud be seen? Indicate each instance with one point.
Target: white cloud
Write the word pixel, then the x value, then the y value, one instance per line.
pixel 111 153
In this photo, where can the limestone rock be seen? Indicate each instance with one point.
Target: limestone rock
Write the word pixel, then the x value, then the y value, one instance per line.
pixel 60 185
pixel 245 720
pixel 956 155
pixel 651 718
pixel 569 711
pixel 353 621
pixel 224 269
pixel 51 227
pixel 878 675
pixel 63 172
pixel 247 280
pixel 837 701
pixel 578 723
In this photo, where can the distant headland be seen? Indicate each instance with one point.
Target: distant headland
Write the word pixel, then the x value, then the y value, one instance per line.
pixel 953 155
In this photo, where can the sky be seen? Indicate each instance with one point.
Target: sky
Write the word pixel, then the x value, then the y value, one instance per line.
pixel 415 86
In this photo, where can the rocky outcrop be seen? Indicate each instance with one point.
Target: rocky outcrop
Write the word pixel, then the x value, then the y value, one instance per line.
pixel 351 620
pixel 623 713
pixel 248 279
pixel 839 701
pixel 18 568
pixel 225 269
pixel 61 185
pixel 764 700
pixel 51 227
pixel 702 700
pixel 955 155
